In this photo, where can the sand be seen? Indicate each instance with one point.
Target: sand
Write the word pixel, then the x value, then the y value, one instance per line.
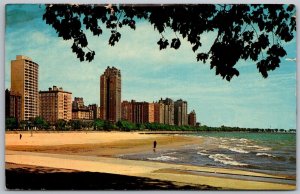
pixel 97 151
pixel 94 143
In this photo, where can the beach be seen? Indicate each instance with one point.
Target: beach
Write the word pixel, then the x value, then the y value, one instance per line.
pixel 83 153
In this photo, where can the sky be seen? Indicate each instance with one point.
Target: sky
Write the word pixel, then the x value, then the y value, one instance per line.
pixel 149 74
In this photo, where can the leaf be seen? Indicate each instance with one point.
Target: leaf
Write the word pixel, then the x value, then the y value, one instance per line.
pixel 202 57
pixel 114 37
pixel 263 41
pixel 196 46
pixel 163 43
pixel 175 43
pixel 90 56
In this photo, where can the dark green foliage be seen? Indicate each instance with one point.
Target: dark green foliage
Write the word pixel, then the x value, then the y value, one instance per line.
pixel 126 125
pixel 75 124
pixel 61 125
pixel 108 126
pixel 242 31
pixel 123 125
pixel 98 124
pixel 40 123
pixel 11 123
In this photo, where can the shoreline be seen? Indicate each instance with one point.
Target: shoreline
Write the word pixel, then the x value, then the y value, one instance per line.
pixel 149 132
pixel 175 173
pixel 96 152
pixel 96 144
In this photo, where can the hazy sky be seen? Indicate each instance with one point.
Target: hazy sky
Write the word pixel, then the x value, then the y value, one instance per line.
pixel 149 74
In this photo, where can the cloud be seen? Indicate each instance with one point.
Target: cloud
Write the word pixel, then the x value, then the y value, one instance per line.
pixel 290 59
pixel 19 14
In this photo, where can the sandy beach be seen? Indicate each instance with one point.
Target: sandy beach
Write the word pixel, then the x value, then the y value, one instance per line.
pixel 96 152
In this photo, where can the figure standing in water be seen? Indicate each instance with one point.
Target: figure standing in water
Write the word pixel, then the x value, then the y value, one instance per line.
pixel 154 145
pixel 20 136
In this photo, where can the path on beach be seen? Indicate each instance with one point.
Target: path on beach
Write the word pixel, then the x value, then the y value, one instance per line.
pixel 181 174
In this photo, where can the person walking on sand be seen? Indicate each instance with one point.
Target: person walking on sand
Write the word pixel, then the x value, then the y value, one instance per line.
pixel 20 136
pixel 154 145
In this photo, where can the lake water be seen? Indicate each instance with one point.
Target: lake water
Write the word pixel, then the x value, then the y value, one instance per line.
pixel 273 153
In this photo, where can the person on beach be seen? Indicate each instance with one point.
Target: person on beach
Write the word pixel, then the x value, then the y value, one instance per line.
pixel 20 136
pixel 154 145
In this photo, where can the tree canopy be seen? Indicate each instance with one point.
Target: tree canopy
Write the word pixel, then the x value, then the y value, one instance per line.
pixel 243 32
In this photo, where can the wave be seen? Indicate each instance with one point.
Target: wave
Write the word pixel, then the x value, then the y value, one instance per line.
pixel 259 148
pixel 278 158
pixel 203 153
pixel 226 160
pixel 171 153
pixel 238 150
pixel 245 140
pixel 265 154
pixel 163 158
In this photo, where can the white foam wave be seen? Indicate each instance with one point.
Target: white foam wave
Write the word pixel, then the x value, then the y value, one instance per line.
pixel 203 153
pixel 259 148
pixel 244 140
pixel 264 149
pixel 238 150
pixel 171 153
pixel 163 158
pixel 264 154
pixel 225 160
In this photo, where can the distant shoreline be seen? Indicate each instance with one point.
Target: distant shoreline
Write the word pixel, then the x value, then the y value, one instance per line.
pixel 137 131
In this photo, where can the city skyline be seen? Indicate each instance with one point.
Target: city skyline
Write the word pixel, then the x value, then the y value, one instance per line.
pixel 152 74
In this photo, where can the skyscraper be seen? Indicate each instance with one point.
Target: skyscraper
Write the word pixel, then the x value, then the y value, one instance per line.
pixel 55 104
pixel 180 113
pixel 159 112
pixel 127 110
pixel 192 118
pixel 24 81
pixel 142 112
pixel 110 95
pixel 168 111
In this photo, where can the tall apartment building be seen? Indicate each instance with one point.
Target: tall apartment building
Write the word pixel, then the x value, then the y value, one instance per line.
pixel 192 118
pixel 149 112
pixel 95 111
pixel 168 111
pixel 78 103
pixel 24 81
pixel 12 105
pixel 180 113
pixel 110 95
pixel 138 112
pixel 126 111
pixel 55 104
pixel 159 112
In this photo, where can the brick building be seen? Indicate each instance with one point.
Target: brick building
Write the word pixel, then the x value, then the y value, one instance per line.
pixel 110 95
pixel 55 104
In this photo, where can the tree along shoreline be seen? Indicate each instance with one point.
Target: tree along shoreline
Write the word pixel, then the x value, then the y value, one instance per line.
pixel 39 124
